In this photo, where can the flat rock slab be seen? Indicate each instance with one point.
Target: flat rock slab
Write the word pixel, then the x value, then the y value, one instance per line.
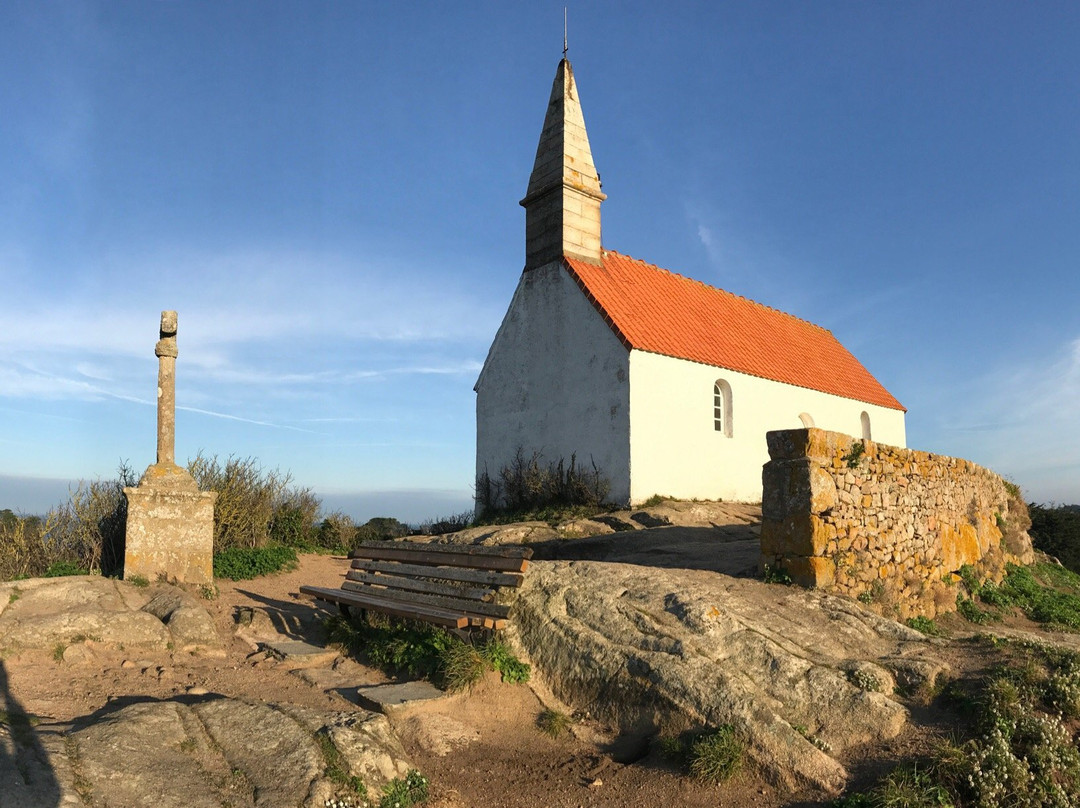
pixel 297 654
pixel 387 698
pixel 169 754
pixel 645 645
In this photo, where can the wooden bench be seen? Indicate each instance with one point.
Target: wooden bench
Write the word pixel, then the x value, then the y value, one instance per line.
pixel 445 584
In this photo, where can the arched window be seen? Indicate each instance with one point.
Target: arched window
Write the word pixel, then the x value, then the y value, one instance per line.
pixel 865 419
pixel 722 408
pixel 807 420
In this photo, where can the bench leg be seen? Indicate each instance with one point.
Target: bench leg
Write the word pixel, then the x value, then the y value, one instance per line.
pixel 344 609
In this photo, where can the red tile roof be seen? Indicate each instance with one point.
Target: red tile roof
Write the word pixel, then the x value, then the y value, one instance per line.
pixel 652 309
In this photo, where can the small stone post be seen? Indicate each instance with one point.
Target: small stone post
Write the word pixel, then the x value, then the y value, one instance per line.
pixel 170 522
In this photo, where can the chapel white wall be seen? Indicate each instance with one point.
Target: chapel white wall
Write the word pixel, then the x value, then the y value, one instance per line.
pixel 555 381
pixel 676 451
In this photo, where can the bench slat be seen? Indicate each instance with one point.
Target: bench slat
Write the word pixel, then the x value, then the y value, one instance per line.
pixel 499 551
pixel 469 607
pixel 429 614
pixel 414 585
pixel 389 551
pixel 445 573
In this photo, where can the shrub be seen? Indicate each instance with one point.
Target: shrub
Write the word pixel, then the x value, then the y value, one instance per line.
pixel 255 506
pixel 86 533
pixel 447 524
pixel 420 649
pixel 526 485
pixel 336 532
pixel 242 563
pixel 716 755
pixel 381 528
pixel 63 569
pixel 1056 531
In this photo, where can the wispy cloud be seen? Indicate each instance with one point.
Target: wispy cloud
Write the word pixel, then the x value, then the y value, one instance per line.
pixel 1022 420
pixel 241 419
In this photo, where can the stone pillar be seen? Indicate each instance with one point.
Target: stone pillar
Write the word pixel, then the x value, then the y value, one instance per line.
pixel 166 352
pixel 170 522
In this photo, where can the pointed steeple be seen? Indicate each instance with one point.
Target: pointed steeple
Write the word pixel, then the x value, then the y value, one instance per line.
pixel 562 205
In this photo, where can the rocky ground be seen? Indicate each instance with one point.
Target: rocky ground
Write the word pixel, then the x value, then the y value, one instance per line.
pixel 156 696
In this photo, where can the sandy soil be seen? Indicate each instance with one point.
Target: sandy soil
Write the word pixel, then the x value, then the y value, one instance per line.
pixel 480 748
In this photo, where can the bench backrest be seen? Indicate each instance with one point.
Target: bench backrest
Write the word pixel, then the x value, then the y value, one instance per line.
pixel 444 575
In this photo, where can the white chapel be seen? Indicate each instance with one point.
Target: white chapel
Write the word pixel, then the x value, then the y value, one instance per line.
pixel 666 384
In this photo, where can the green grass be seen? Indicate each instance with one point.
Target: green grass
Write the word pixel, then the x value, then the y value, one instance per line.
pixel 1033 590
pixel 336 770
pixel 141 581
pixel 553 722
pixel 716 755
pixel 404 792
pixel 775 575
pixel 510 668
pixel 462 666
pixel 924 625
pixel 972 613
pixel 419 649
pixel 242 563
pixel 62 569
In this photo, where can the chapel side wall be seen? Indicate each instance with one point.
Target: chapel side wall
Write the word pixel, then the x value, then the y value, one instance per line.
pixel 888 525
pixel 555 382
pixel 676 451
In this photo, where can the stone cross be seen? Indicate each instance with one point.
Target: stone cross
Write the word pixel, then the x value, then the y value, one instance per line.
pixel 166 352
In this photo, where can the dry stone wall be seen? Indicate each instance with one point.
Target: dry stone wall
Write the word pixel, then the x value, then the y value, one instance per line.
pixel 887 525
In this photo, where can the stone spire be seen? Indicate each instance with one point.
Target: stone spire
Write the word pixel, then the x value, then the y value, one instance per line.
pixel 562 205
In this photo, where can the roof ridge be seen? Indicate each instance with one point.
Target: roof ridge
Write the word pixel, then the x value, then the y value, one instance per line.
pixel 719 289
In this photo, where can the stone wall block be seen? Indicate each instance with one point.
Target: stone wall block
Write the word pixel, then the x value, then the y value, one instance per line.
pixel 899 519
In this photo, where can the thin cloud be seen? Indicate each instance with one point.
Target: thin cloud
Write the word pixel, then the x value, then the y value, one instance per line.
pixel 229 417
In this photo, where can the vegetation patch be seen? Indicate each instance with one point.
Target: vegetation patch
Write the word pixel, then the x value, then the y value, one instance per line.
pixel 242 563
pixel 422 650
pixel 526 486
pixel 553 722
pixel 711 755
pixel 924 625
pixel 403 792
pixel 1045 592
pixel 336 770
pixel 1019 749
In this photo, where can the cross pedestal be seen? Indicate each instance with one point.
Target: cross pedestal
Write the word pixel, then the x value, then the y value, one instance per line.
pixel 170 522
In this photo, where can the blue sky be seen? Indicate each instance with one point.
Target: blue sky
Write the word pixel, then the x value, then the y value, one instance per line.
pixel 327 193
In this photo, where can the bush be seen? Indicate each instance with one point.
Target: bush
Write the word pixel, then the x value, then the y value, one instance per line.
pixel 716 755
pixel 1056 531
pixel 86 533
pixel 381 528
pixel 255 506
pixel 336 532
pixel 447 524
pixel 525 486
pixel 62 569
pixel 242 563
